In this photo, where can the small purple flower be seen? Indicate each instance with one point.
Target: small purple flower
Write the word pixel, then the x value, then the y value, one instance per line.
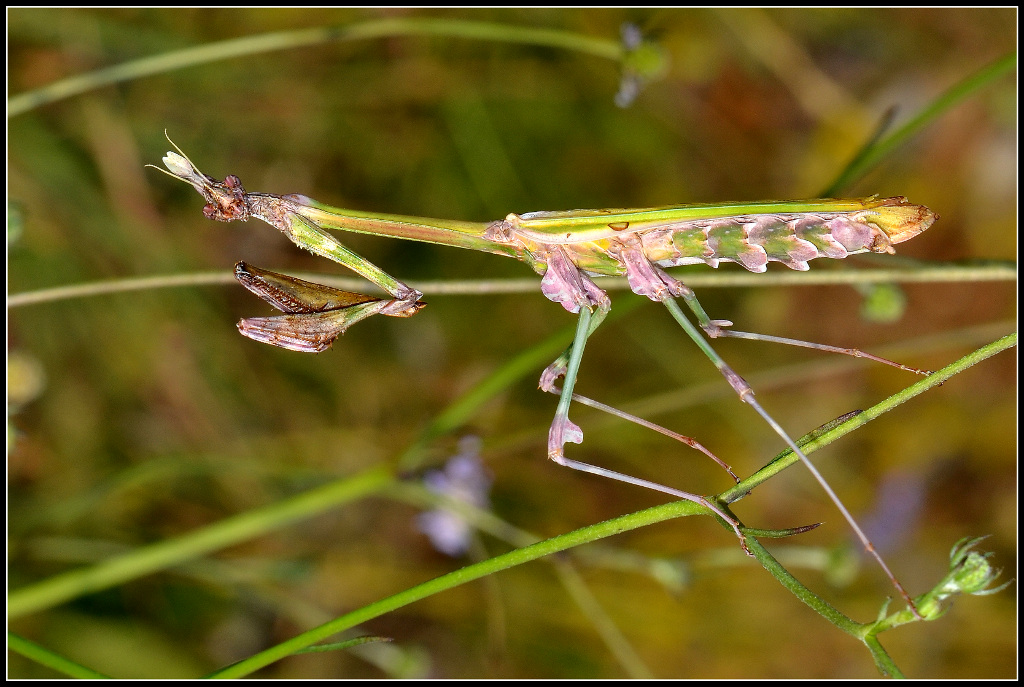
pixel 642 61
pixel 629 88
pixel 463 478
pixel 897 511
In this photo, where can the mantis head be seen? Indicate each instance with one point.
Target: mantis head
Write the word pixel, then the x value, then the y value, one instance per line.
pixel 226 200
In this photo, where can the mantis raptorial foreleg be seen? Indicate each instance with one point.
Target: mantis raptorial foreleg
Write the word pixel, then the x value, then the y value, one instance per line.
pixel 316 314
pixel 304 233
pixel 312 325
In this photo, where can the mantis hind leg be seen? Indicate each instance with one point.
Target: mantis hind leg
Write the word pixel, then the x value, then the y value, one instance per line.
pixel 647 279
pixel 717 329
pixel 746 394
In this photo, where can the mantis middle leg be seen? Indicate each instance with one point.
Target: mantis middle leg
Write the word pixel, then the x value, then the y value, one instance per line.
pixel 566 284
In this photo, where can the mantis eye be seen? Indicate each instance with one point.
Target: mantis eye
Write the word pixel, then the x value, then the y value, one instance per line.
pixel 235 184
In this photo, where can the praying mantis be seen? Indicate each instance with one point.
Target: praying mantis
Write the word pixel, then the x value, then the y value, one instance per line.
pixel 568 248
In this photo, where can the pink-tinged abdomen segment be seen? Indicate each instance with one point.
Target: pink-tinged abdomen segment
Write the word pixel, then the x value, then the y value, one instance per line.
pixel 792 239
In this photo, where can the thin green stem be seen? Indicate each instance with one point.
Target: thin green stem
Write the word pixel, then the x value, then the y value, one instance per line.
pixel 815 602
pixel 75 583
pixel 341 646
pixel 284 40
pixel 824 438
pixel 873 153
pixel 459 577
pixel 529 553
pixel 922 273
pixel 45 657
pixel 883 661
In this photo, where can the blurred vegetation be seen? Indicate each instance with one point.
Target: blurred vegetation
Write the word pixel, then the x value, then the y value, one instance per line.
pixel 142 416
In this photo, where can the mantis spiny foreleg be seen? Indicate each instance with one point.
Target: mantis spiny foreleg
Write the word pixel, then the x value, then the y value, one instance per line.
pixel 286 215
pixel 316 314
pixel 313 327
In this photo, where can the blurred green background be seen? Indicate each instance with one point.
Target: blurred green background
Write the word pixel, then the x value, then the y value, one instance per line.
pixel 139 417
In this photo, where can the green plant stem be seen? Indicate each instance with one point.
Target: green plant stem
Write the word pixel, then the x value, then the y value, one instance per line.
pixel 45 657
pixel 533 552
pixel 459 577
pixel 882 659
pixel 625 523
pixel 283 40
pixel 923 272
pixel 878 149
pixel 822 439
pixel 232 530
pixel 75 583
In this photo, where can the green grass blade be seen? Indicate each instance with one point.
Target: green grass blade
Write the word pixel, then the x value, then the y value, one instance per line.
pixel 148 559
pixel 824 438
pixel 459 577
pixel 284 40
pixel 877 150
pixel 45 657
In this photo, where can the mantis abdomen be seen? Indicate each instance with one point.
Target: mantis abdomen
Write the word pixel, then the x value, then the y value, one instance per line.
pixel 754 241
pixel 748 235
